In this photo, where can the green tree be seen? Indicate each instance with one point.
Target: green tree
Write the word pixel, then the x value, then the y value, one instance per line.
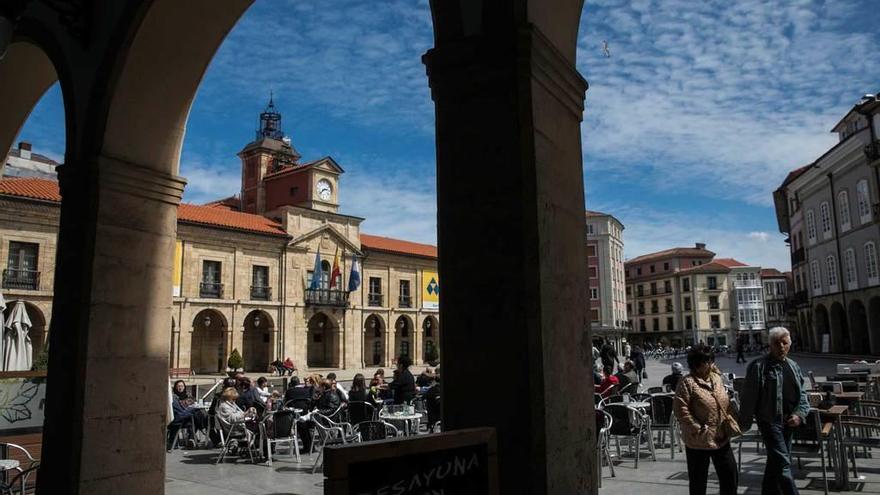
pixel 235 361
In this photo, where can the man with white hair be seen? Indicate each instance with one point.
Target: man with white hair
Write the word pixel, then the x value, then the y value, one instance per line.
pixel 775 396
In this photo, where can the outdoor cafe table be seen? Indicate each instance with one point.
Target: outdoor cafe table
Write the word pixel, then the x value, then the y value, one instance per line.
pixel 405 418
pixel 849 399
pixel 841 473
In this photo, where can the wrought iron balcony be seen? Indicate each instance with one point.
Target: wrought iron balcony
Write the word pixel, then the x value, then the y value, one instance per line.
pixel 374 299
pixel 405 302
pixel 261 293
pixel 798 256
pixel 21 279
pixel 327 297
pixel 211 290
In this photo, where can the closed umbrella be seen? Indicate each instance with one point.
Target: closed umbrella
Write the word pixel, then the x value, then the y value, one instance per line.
pixel 17 349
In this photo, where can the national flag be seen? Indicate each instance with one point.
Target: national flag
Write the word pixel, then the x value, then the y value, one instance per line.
pixel 316 273
pixel 354 278
pixel 335 273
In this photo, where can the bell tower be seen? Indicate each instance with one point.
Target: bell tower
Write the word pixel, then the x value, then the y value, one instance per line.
pixel 270 152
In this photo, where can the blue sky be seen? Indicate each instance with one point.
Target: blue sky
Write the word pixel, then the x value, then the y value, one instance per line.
pixel 690 124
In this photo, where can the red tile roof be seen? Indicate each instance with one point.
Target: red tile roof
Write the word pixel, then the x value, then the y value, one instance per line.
pixel 30 187
pixel 713 267
pixel 728 262
pixel 671 253
pixel 771 272
pixel 397 246
pixel 215 215
pixel 223 217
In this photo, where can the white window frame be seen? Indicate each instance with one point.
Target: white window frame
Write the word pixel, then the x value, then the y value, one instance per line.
pixel 811 227
pixel 825 218
pixel 849 263
pixel 815 277
pixel 871 263
pixel 594 293
pixel 863 192
pixel 831 272
pixel 843 211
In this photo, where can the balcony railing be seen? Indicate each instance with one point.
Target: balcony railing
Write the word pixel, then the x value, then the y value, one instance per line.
pixel 261 293
pixel 374 299
pixel 405 302
pixel 669 309
pixel 714 306
pixel 327 297
pixel 211 290
pixel 747 284
pixel 798 256
pixel 21 279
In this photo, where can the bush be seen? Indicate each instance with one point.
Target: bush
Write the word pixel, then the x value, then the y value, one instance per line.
pixel 431 355
pixel 235 361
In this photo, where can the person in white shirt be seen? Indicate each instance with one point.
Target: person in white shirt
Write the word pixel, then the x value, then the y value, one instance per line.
pixel 263 391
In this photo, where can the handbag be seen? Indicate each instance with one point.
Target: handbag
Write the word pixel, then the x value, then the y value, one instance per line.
pixel 728 425
pixel 645 375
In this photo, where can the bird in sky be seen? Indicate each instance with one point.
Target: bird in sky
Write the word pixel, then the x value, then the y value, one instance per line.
pixel 605 49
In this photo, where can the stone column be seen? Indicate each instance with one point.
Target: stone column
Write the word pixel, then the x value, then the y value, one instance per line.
pixel 106 404
pixel 510 195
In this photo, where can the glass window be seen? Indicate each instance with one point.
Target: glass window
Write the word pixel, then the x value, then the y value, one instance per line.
pixel 849 261
pixel 711 283
pixel 814 275
pixel 715 321
pixel 825 217
pixel 688 322
pixel 685 285
pixel 669 325
pixel 594 293
pixel 831 271
pixel 655 324
pixel 843 210
pixel 871 262
pixel 811 226
pixel 864 200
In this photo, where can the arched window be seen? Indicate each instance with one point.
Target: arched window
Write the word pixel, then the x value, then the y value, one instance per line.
pixel 843 210
pixel 864 200
pixel 849 261
pixel 814 277
pixel 871 263
pixel 831 271
pixel 325 274
pixel 825 217
pixel 811 227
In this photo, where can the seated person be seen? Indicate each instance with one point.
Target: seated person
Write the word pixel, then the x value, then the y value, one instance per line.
pixel 607 383
pixel 249 397
pixel 627 377
pixel 262 389
pixel 299 395
pixel 338 388
pixel 228 411
pixel 289 367
pixel 426 378
pixel 672 379
pixel 183 414
pixel 329 401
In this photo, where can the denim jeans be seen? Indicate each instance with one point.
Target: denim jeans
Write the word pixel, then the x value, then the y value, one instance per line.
pixel 777 472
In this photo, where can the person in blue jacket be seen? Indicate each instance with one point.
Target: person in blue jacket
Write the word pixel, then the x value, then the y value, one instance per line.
pixel 775 396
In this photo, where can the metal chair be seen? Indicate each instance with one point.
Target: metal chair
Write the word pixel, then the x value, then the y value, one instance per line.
pixel 603 426
pixel 641 397
pixel 655 390
pixel 859 431
pixel 283 428
pixel 630 423
pixel 330 432
pixel 369 431
pixel 237 431
pixel 27 465
pixel 359 411
pixel 808 441
pixel 663 420
pixel 752 435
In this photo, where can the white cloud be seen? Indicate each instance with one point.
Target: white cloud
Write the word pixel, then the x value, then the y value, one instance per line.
pixel 759 236
pixel 206 183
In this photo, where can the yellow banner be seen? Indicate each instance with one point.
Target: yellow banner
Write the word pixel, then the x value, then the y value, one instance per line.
pixel 177 277
pixel 430 290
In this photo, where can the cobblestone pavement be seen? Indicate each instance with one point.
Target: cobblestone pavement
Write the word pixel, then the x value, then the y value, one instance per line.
pixel 193 471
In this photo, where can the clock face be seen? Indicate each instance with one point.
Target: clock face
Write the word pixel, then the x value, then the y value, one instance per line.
pixel 324 189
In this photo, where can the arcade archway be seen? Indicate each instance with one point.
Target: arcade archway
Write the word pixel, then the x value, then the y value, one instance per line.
pixel 403 337
pixel 208 349
pixel 374 341
pixel 431 339
pixel 822 329
pixel 858 326
pixel 322 350
pixel 840 338
pixel 257 341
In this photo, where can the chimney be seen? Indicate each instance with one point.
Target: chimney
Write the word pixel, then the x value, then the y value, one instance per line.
pixel 24 150
pixel 701 245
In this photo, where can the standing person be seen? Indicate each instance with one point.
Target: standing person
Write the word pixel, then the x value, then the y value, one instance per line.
pixel 672 379
pixel 627 349
pixel 609 356
pixel 702 406
pixel 597 358
pixel 638 359
pixel 740 347
pixel 774 394
pixel 404 385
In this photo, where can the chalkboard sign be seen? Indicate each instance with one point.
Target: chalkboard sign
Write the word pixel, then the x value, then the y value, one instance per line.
pixel 451 463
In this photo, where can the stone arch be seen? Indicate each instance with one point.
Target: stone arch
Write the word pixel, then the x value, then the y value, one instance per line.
pixel 257 342
pixel 874 324
pixel 821 326
pixel 322 347
pixel 403 337
pixel 209 349
pixel 431 339
pixel 840 337
pixel 858 327
pixel 26 73
pixel 374 341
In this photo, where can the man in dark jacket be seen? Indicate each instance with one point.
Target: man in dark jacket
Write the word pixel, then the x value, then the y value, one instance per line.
pixel 609 356
pixel 404 385
pixel 774 394
pixel 638 359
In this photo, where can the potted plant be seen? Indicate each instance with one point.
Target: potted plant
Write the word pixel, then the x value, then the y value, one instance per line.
pixel 235 364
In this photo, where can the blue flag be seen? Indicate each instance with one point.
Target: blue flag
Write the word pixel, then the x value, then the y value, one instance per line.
pixel 316 274
pixel 354 278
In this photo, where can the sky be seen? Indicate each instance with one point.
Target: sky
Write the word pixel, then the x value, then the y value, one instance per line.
pixel 692 121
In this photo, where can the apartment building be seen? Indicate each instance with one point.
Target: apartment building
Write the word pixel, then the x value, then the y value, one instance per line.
pixel 608 316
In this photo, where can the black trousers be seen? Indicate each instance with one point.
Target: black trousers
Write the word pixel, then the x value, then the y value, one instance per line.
pixel 698 469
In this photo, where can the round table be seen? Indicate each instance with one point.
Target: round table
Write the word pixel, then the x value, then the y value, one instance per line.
pixel 7 464
pixel 406 418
